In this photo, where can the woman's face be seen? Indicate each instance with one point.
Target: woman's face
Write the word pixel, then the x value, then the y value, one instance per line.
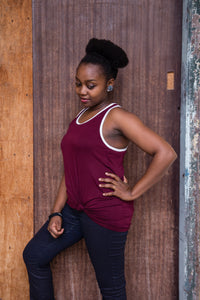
pixel 91 85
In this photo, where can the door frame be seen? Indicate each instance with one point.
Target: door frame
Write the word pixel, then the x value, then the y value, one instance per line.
pixel 189 222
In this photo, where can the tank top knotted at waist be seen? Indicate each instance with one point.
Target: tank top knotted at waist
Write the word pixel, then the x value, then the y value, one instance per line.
pixel 87 156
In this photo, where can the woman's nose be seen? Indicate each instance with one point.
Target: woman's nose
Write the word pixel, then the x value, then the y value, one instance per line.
pixel 83 90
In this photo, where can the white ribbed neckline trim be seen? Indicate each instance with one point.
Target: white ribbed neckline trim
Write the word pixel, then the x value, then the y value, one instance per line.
pixel 77 120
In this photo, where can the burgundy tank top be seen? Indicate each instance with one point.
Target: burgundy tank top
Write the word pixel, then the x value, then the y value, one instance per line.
pixel 87 156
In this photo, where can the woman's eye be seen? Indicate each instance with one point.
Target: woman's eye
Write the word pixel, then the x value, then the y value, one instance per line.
pixel 90 87
pixel 77 84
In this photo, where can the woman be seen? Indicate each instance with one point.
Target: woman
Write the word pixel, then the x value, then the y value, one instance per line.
pixel 95 201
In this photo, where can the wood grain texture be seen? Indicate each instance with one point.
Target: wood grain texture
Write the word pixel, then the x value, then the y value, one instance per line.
pixel 16 177
pixel 150 33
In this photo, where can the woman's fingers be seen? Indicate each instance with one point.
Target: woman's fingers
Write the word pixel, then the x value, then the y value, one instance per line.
pixel 113 179
pixel 114 176
pixel 55 227
pixel 119 188
pixel 110 182
pixel 125 179
pixel 56 233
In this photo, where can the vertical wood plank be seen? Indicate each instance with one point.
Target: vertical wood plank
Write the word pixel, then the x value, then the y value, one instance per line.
pixel 189 225
pixel 16 138
pixel 150 32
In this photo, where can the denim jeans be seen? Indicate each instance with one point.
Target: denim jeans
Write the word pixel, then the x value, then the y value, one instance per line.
pixel 105 247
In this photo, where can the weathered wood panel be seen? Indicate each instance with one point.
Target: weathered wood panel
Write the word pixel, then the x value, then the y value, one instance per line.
pixel 16 177
pixel 189 228
pixel 150 32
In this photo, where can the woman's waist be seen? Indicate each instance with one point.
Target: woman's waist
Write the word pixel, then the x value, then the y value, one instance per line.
pixel 81 202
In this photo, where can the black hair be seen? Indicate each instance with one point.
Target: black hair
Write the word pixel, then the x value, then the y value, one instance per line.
pixel 106 54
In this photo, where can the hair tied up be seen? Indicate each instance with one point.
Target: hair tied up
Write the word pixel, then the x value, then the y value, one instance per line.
pixel 113 53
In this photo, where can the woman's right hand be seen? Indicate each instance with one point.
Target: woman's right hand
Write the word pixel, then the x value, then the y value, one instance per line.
pixel 55 226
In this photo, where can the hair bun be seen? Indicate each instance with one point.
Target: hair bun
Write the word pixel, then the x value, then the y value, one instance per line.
pixel 113 53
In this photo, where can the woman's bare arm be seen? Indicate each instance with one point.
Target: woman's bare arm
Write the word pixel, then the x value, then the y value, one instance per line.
pixel 61 196
pixel 55 223
pixel 162 153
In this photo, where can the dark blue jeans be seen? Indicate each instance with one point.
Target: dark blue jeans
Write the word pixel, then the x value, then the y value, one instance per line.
pixel 105 247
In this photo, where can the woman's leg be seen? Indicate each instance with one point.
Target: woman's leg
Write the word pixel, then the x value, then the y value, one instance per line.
pixel 106 250
pixel 43 248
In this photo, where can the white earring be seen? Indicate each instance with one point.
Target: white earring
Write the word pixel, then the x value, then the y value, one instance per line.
pixel 109 88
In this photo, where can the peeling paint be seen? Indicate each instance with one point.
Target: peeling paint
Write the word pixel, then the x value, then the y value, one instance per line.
pixel 189 279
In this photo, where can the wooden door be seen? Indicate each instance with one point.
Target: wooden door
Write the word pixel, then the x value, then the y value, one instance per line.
pixel 150 33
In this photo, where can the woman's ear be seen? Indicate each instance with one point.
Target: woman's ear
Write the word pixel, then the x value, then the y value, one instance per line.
pixel 111 82
pixel 110 85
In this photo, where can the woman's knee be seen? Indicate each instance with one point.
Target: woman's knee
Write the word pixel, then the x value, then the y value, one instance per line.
pixel 25 255
pixel 30 256
pixel 34 253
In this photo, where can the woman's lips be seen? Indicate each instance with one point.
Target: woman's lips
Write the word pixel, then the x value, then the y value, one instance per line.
pixel 84 100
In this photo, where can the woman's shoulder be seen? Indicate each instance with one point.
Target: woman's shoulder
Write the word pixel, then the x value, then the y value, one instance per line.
pixel 120 114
